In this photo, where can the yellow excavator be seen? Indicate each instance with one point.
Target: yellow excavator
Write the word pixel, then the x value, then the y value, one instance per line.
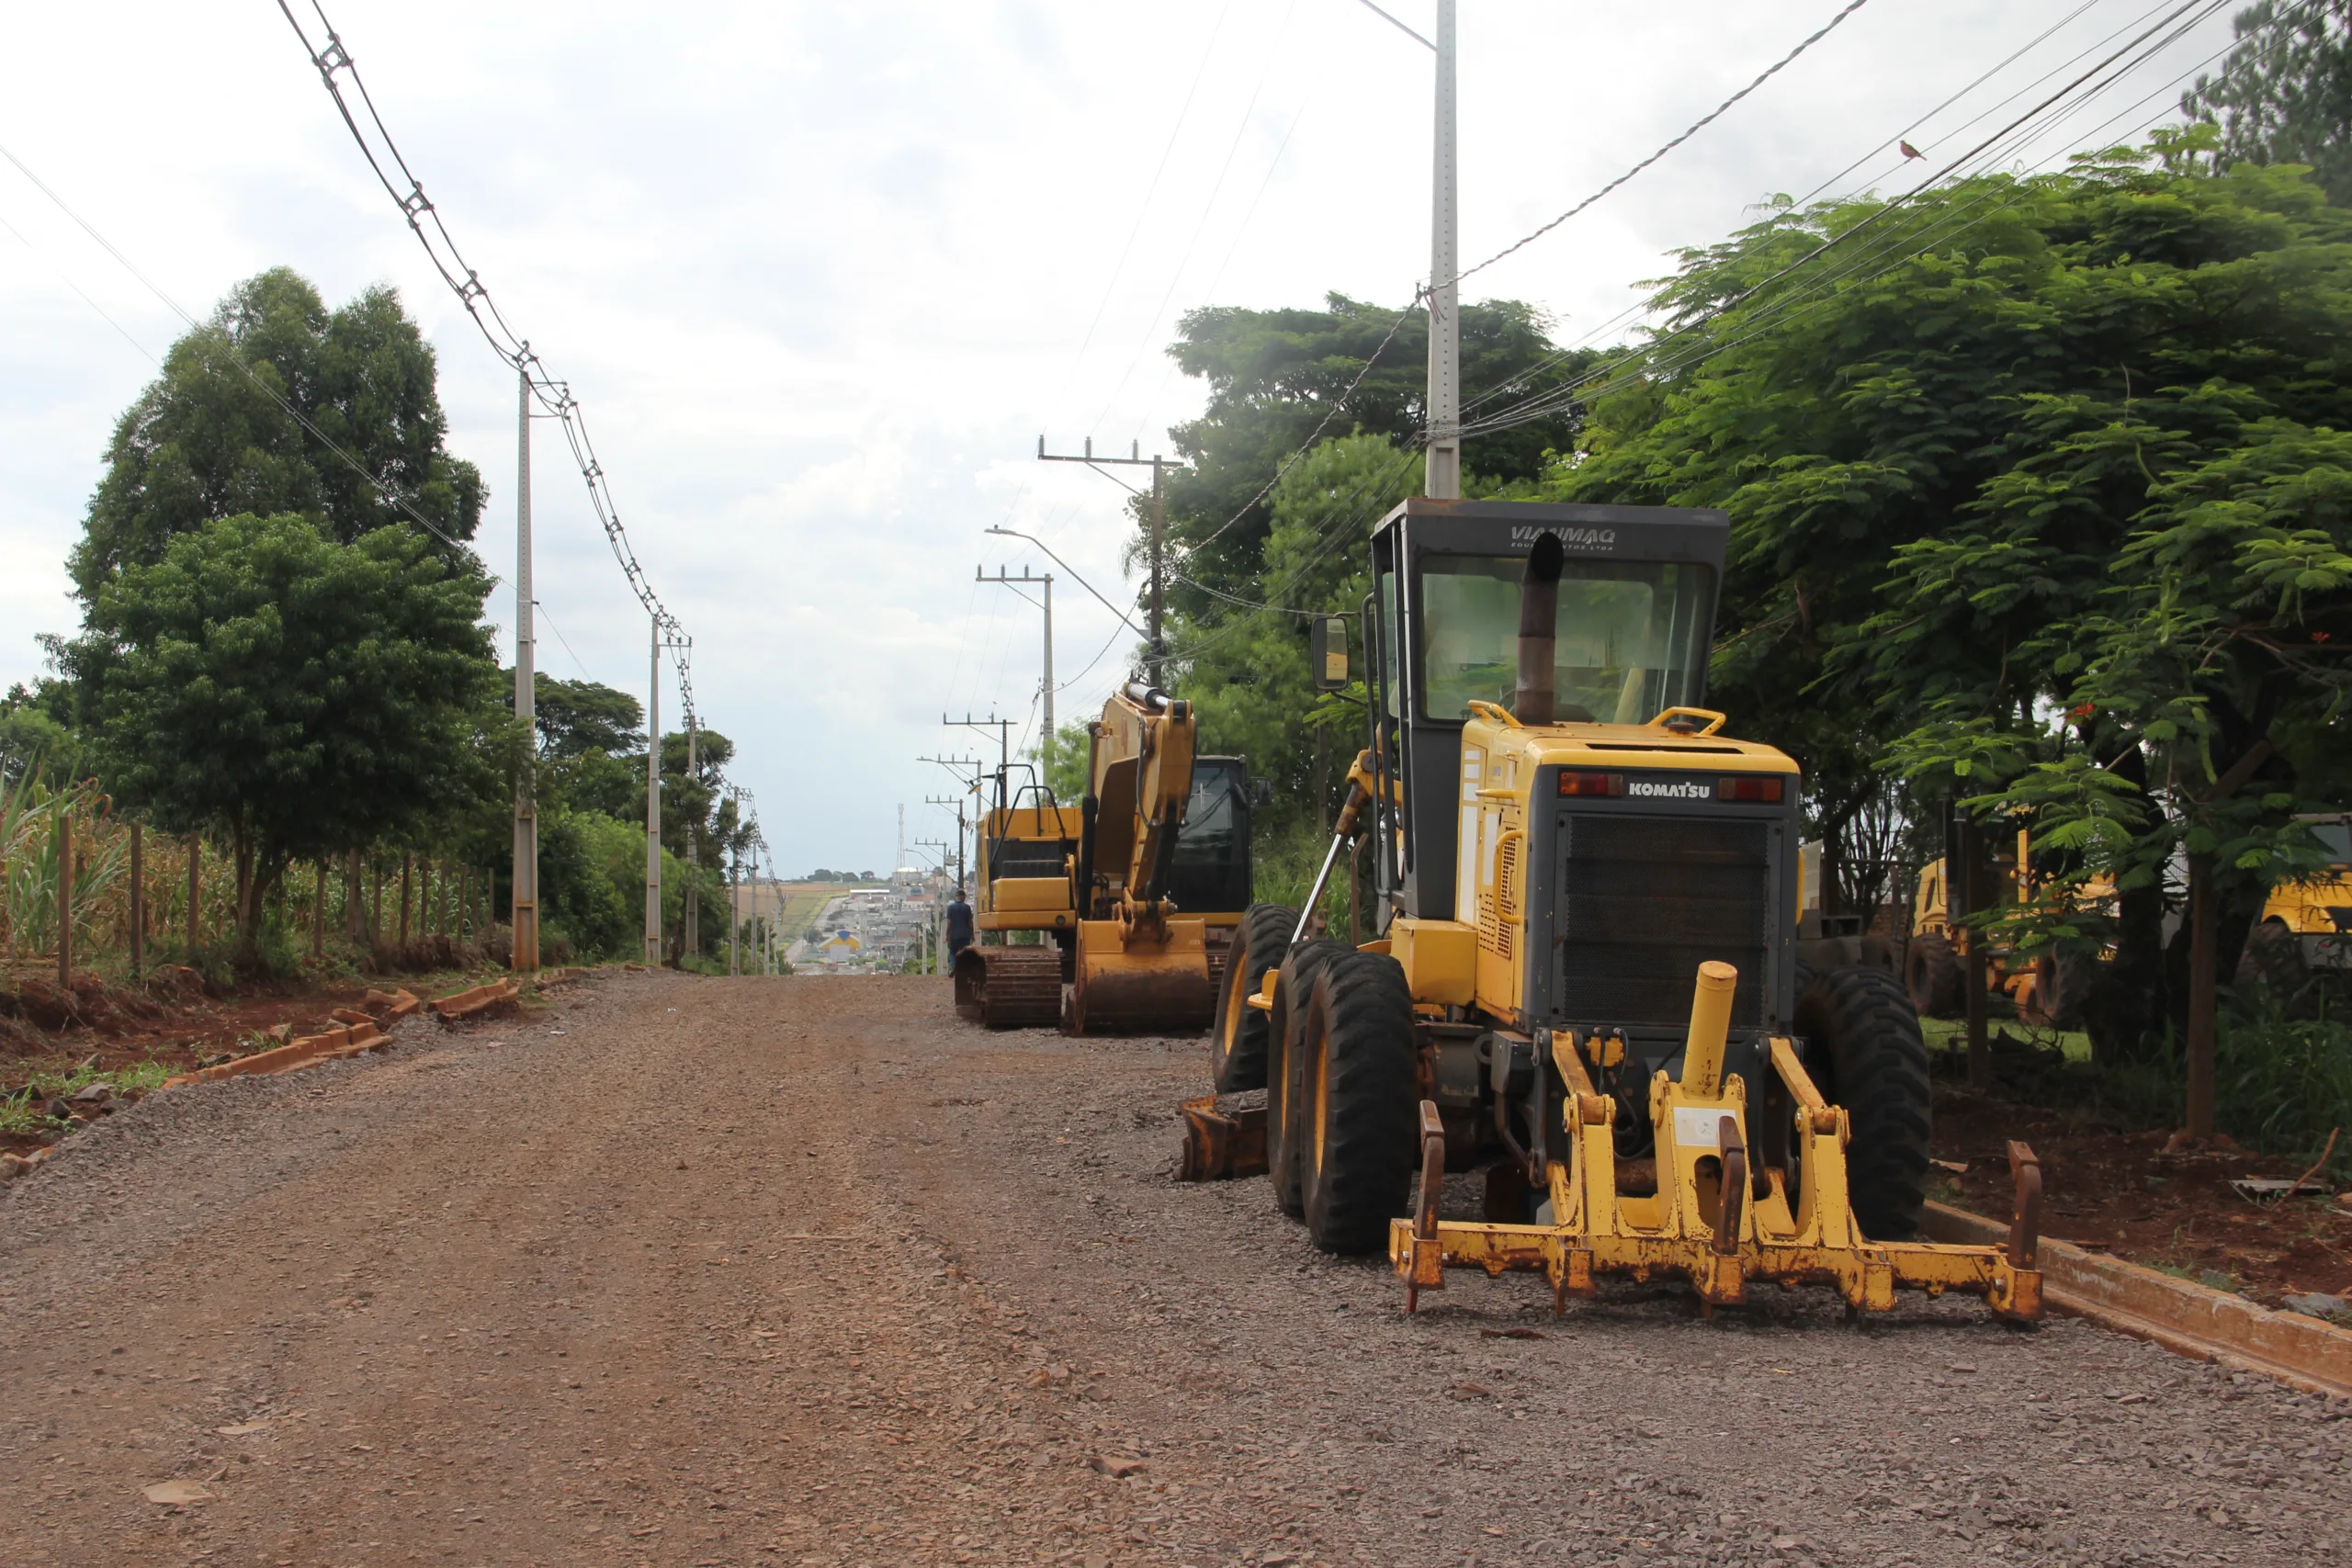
pixel 1136 893
pixel 1586 976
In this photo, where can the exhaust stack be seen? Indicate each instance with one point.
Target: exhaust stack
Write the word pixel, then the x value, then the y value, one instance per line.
pixel 1539 605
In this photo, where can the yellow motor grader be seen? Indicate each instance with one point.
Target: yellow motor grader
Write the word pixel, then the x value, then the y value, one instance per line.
pixel 1136 890
pixel 1586 976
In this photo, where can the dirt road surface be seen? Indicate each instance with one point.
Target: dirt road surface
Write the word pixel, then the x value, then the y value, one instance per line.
pixel 694 1271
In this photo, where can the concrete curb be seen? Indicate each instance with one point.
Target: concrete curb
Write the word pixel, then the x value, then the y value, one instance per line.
pixel 477 998
pixel 2183 1316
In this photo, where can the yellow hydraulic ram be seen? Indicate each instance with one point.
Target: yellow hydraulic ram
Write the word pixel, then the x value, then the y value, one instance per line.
pixel 1713 1221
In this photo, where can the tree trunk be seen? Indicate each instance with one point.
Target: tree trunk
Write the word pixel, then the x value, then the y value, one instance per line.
pixel 319 916
pixel 2202 987
pixel 194 892
pixel 248 949
pixel 354 912
pixel 408 864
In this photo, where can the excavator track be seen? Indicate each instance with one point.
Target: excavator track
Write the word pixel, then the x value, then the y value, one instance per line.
pixel 1010 987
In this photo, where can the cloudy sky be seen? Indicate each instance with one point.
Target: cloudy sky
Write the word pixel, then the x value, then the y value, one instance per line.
pixel 821 275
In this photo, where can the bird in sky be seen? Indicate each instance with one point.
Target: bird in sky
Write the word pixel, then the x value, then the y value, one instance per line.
pixel 1909 151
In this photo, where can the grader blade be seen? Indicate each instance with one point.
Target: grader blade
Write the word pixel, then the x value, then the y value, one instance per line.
pixel 1010 987
pixel 1132 984
pixel 1714 1219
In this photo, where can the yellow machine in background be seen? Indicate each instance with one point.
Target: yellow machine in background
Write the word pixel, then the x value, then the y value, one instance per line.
pixel 1136 891
pixel 1587 980
pixel 2304 925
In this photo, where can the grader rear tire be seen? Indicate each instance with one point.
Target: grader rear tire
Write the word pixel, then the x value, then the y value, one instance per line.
pixel 1238 1043
pixel 1357 1069
pixel 1932 976
pixel 1286 1031
pixel 1865 1055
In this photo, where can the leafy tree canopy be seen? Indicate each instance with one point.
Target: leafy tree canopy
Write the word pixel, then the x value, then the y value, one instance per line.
pixel 2063 445
pixel 2284 95
pixel 205 442
pixel 576 718
pixel 1274 376
pixel 294 694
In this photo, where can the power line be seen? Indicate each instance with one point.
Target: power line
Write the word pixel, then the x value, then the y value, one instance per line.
pixel 441 249
pixel 1701 124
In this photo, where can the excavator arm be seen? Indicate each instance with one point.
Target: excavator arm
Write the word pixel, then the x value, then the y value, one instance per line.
pixel 1142 779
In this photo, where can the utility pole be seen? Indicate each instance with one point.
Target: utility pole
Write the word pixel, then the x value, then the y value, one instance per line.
pixel 735 898
pixel 956 802
pixel 1157 655
pixel 692 944
pixel 1444 481
pixel 1045 687
pixel 1003 728
pixel 653 807
pixel 525 958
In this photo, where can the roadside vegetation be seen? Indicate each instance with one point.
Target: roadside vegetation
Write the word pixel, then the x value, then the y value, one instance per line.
pixel 284 688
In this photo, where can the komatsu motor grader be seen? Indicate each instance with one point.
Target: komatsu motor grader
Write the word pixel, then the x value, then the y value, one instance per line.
pixel 1587 973
pixel 1138 890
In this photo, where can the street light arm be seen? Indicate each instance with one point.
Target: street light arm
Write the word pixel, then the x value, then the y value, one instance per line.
pixel 1016 533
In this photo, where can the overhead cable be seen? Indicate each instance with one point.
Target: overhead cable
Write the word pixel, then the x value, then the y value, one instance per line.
pixel 1697 126
pixel 333 62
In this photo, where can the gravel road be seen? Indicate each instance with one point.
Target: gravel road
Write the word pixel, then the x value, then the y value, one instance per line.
pixel 805 1271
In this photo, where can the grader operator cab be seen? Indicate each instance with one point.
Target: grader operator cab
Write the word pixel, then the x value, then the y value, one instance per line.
pixel 1585 975
pixel 1136 891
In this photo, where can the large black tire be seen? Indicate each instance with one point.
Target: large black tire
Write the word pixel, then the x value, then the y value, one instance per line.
pixel 1865 1054
pixel 1237 1040
pixel 1285 1029
pixel 1933 976
pixel 2060 982
pixel 2273 962
pixel 1360 1108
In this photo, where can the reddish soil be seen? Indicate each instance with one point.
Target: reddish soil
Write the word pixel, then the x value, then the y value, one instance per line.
pixel 2118 1191
pixel 169 1018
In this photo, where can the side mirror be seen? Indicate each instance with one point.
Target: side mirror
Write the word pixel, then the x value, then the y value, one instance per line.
pixel 1261 792
pixel 1327 636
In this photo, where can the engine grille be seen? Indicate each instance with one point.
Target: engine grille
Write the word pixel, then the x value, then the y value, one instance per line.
pixel 1645 900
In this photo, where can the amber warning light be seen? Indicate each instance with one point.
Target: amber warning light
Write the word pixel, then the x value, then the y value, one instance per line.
pixel 1573 782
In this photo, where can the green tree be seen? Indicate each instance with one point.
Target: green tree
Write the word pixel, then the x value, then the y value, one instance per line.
pixel 296 695
pixel 2017 425
pixel 2284 95
pixel 1274 378
pixel 204 441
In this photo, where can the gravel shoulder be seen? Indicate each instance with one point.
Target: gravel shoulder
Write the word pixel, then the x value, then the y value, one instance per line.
pixel 807 1270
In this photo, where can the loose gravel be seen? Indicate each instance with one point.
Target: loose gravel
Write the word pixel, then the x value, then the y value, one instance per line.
pixel 806 1270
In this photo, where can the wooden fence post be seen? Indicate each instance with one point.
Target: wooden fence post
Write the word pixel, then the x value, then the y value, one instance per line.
pixel 408 862
pixel 137 901
pixel 65 902
pixel 318 915
pixel 195 891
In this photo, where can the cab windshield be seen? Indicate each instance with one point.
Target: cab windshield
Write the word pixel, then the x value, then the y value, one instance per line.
pixel 1630 639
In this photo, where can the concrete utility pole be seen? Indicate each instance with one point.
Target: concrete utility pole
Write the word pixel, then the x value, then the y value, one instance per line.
pixel 1045 583
pixel 653 807
pixel 1135 458
pixel 694 900
pixel 525 955
pixel 735 904
pixel 1444 476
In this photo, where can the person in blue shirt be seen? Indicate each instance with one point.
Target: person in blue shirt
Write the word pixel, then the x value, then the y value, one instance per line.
pixel 959 926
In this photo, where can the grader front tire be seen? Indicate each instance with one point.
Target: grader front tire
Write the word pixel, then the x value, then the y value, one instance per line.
pixel 1238 1045
pixel 1357 1071
pixel 1864 1041
pixel 1286 1051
